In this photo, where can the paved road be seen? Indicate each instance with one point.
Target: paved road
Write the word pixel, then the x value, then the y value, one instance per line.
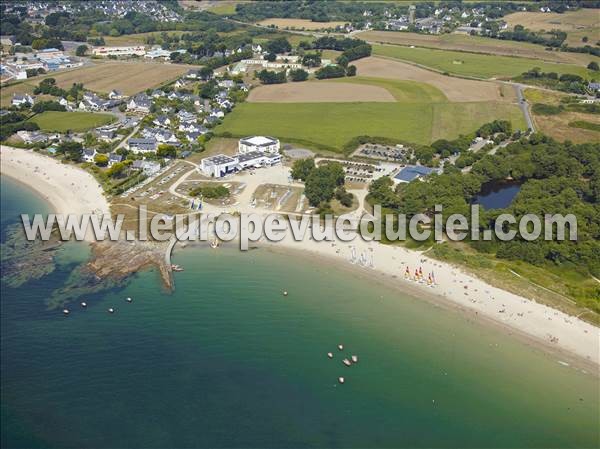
pixel 524 106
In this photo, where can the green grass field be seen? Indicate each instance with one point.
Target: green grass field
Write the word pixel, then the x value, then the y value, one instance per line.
pixel 474 65
pixel 56 121
pixel 331 125
pixel 403 91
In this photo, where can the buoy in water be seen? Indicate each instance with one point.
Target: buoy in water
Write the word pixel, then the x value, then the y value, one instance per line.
pixel 330 355
pixel 84 304
pixel 111 310
pixel 128 299
pixel 341 347
pixel 341 380
pixel 66 311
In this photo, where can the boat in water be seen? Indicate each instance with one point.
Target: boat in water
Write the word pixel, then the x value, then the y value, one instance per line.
pixel 330 355
pixel 347 362
pixel 354 359
pixel 175 267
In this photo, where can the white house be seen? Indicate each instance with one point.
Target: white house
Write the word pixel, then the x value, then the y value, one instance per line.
pixel 258 143
pixel 21 99
pixel 139 103
pixel 88 155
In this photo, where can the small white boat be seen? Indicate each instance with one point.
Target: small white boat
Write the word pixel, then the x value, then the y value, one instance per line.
pixel 84 304
pixel 354 359
pixel 128 299
pixel 66 311
pixel 341 380
pixel 111 310
pixel 214 244
pixel 285 293
pixel 341 347
pixel 346 362
pixel 330 355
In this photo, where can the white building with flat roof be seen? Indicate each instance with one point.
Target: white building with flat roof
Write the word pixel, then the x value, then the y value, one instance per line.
pixel 264 144
pixel 138 50
pixel 218 166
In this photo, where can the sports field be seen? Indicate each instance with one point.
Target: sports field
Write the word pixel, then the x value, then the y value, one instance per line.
pixel 55 121
pixel 474 65
pixel 477 44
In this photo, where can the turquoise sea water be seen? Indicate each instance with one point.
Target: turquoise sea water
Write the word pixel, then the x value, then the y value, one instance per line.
pixel 227 361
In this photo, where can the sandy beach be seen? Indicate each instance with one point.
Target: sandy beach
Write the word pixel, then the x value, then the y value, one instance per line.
pixel 68 189
pixel 72 190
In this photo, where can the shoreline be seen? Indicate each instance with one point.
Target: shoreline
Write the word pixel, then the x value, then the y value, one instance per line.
pixel 76 191
pixel 437 300
pixel 67 189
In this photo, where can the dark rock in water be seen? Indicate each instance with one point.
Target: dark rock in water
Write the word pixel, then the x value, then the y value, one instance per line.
pixel 23 260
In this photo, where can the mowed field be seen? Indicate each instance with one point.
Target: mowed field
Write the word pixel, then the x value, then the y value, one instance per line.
pixel 584 21
pixel 454 89
pixel 474 65
pixel 55 121
pixel 128 77
pixel 299 23
pixel 477 44
pixel 319 92
pixel 420 114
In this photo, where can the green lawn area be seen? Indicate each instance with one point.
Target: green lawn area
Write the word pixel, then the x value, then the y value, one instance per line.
pixel 403 91
pixel 474 65
pixel 453 119
pixel 56 121
pixel 330 126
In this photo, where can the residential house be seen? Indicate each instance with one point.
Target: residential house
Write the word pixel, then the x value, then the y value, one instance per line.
pixel 139 103
pixel 115 95
pixel 32 137
pixel 162 120
pixel 186 117
pixel 142 145
pixel 114 158
pixel 148 167
pixel 21 99
pixel 88 155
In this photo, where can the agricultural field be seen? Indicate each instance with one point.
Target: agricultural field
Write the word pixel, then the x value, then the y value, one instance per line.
pixel 477 44
pixel 299 24
pixel 330 126
pixel 559 126
pixel 583 22
pixel 319 92
pixel 454 89
pixel 128 77
pixel 55 121
pixel 474 65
